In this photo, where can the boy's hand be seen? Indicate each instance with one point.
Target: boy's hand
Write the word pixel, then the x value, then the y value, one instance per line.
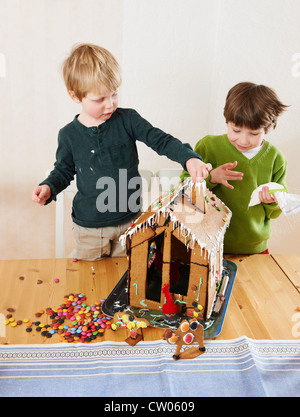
pixel 266 197
pixel 41 194
pixel 222 174
pixel 197 169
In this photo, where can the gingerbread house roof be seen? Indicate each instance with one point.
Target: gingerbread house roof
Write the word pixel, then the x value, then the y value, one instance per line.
pixel 202 217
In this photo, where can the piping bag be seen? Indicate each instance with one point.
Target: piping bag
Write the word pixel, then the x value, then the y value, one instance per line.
pixel 288 203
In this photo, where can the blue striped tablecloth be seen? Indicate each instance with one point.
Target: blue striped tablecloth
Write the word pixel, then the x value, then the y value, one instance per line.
pixel 240 367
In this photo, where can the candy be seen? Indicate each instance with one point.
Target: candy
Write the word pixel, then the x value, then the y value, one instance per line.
pixel 184 326
pixel 133 334
pixel 188 338
pixel 87 322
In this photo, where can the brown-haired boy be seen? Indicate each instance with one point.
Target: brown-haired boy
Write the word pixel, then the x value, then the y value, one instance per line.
pixel 250 112
pixel 99 145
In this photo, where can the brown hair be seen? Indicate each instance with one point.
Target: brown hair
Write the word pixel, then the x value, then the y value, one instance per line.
pixel 89 65
pixel 253 106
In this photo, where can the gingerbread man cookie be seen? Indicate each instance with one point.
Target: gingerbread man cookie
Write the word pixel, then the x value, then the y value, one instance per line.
pixel 187 333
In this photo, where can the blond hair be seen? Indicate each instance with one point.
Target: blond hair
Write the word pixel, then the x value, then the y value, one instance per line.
pixel 253 106
pixel 87 67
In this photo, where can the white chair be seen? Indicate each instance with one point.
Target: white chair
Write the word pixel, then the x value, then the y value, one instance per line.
pixel 169 178
pixel 61 203
pixel 147 176
pixel 147 187
pixel 60 215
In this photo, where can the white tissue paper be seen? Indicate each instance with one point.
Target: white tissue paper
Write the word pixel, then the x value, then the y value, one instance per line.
pixel 288 203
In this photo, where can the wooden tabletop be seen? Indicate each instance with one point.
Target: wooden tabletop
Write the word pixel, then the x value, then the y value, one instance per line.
pixel 263 303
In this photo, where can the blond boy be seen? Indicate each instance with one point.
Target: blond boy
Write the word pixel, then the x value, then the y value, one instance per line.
pixel 99 146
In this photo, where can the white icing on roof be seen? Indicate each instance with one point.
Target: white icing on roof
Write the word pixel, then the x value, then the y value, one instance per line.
pixel 206 229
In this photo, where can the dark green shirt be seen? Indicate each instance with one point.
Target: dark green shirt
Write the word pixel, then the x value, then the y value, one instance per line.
pixel 105 161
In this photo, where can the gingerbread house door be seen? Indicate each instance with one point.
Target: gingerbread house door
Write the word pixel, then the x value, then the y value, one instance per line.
pixel 194 271
pixel 147 269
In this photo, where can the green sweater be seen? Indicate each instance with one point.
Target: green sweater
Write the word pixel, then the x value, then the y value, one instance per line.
pixel 249 228
pixel 105 161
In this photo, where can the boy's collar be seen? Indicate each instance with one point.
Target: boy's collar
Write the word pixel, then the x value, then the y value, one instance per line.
pixel 93 130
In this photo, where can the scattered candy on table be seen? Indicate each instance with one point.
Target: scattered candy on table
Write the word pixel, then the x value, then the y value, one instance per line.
pixel 74 320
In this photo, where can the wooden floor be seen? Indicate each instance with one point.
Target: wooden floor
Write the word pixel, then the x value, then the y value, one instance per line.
pixel 263 304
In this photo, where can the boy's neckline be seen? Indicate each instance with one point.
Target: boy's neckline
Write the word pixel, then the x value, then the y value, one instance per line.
pixel 256 156
pixel 254 151
pixel 95 128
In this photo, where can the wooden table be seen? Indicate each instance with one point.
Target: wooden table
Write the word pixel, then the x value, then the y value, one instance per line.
pixel 263 304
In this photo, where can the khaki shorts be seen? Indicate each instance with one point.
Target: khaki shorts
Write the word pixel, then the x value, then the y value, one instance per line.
pixel 93 244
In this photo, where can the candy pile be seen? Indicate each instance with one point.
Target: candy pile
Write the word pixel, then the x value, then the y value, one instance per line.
pixel 87 321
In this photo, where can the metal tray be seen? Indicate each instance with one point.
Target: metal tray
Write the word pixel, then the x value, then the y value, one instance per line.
pixel 118 301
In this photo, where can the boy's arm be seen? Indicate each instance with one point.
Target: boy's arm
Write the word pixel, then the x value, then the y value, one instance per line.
pixel 63 172
pixel 163 143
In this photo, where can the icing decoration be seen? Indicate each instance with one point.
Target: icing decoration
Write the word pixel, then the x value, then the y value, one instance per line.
pixel 200 284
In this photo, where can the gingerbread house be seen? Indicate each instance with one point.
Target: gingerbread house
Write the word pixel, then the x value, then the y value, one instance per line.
pixel 178 241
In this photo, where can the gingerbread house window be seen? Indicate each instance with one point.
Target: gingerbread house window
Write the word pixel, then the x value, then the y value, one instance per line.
pixel 180 267
pixel 154 268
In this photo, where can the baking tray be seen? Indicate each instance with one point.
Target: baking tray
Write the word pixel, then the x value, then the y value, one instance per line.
pixel 118 301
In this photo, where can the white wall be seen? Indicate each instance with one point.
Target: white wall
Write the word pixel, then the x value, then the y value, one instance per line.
pixel 179 59
pixel 35 37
